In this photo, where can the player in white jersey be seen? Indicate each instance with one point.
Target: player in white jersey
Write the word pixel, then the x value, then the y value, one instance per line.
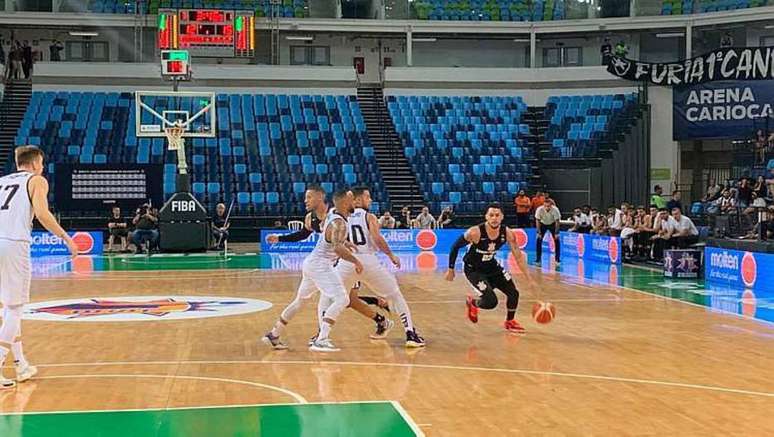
pixel 318 273
pixel 23 196
pixel 365 234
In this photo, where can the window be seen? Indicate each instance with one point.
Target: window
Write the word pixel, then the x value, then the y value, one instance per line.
pixel 562 57
pixel 87 51
pixel 310 55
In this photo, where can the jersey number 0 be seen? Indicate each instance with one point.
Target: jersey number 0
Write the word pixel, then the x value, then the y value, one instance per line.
pixel 358 235
pixel 6 204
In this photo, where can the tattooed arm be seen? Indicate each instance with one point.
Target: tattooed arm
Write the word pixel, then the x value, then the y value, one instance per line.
pixel 336 233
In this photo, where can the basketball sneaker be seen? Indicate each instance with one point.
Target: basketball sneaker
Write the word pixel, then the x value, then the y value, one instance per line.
pixel 413 340
pixel 472 310
pixel 324 345
pixel 274 342
pixel 382 329
pixel 514 327
pixel 312 339
pixel 6 383
pixel 24 373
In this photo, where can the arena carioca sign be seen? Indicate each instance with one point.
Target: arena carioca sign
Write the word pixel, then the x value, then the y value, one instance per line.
pixel 735 63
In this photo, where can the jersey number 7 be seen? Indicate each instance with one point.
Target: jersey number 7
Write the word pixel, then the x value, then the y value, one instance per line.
pixel 7 203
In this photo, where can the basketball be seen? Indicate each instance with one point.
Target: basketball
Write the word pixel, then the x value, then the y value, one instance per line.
pixel 543 312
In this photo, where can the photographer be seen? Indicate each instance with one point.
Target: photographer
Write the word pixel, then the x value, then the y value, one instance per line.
pixel 145 221
pixel 446 218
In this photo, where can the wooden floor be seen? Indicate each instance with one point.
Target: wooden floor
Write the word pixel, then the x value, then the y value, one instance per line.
pixel 614 362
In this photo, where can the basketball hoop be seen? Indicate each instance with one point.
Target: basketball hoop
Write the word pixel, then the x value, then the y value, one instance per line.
pixel 174 135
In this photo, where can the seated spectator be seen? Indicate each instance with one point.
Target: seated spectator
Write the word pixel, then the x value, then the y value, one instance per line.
pixel 145 228
pixel 761 188
pixel 662 235
pixel 680 232
pixel 405 214
pixel 645 230
pixel 118 228
pixel 523 207
pixel 425 220
pixel 629 230
pixel 278 225
pixel 614 221
pixel 593 213
pixel 675 201
pixel 714 190
pixel 387 221
pixel 600 225
pixel 744 193
pixel 220 226
pixel 581 222
pixel 446 218
pixel 726 204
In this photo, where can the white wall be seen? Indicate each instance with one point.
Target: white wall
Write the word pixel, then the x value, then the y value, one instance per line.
pixel 664 152
pixel 470 53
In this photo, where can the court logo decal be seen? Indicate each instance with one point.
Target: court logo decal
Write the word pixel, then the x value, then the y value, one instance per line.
pixel 426 239
pixel 141 308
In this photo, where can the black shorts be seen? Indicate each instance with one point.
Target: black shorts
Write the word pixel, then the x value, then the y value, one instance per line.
pixel 489 280
pixel 119 232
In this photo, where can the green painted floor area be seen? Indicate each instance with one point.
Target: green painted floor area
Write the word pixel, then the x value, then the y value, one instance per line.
pixel 312 420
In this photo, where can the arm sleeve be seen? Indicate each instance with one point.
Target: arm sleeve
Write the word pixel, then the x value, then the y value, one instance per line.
pixel 455 250
pixel 295 237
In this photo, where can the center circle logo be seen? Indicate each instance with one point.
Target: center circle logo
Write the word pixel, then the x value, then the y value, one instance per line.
pixel 581 245
pixel 141 308
pixel 426 239
pixel 749 269
pixel 521 238
pixel 84 241
pixel 612 250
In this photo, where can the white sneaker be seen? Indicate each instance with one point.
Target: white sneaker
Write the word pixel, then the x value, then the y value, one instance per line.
pixel 6 383
pixel 324 345
pixel 25 373
pixel 274 342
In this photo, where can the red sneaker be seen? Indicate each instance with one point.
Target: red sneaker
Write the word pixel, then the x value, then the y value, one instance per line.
pixel 472 310
pixel 514 327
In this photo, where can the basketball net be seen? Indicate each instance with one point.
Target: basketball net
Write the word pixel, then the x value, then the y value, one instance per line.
pixel 176 142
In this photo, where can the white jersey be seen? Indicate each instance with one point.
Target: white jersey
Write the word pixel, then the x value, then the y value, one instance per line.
pixel 324 250
pixel 16 212
pixel 359 233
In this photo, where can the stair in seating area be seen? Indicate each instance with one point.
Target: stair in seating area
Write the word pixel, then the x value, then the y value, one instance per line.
pixel 16 98
pixel 399 179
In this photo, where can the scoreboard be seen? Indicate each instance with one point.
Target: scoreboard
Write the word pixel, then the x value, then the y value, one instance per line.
pixel 208 32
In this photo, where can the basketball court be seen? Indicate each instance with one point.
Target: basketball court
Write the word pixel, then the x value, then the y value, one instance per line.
pixel 169 345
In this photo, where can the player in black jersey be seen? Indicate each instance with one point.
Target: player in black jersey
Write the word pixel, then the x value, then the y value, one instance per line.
pixel 483 271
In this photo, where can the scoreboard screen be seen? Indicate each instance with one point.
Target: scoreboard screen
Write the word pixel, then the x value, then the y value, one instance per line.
pixel 208 32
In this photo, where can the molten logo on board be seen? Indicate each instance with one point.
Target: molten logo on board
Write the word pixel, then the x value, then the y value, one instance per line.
pixel 141 308
pixel 612 250
pixel 426 239
pixel 521 238
pixel 581 245
pixel 749 269
pixel 84 241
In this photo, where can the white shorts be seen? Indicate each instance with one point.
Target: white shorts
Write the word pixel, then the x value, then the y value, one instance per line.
pixel 320 276
pixel 15 272
pixel 375 275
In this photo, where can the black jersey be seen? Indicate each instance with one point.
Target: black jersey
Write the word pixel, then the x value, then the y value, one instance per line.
pixel 315 223
pixel 481 256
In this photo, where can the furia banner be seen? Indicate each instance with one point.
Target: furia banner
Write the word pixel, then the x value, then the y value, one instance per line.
pixel 736 63
pixel 724 109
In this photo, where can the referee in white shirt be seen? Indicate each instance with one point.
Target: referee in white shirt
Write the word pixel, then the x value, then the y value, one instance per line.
pixel 547 218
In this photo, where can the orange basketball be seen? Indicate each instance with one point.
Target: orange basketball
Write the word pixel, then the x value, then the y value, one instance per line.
pixel 543 312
